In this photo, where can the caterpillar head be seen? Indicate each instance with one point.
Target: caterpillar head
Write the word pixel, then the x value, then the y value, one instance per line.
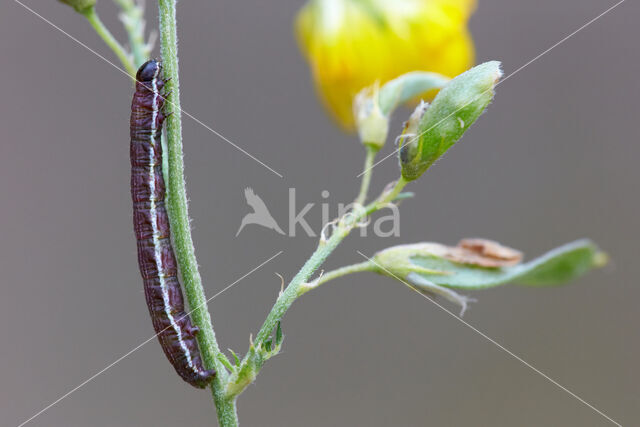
pixel 148 71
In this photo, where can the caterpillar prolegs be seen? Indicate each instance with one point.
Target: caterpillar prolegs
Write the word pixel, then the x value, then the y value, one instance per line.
pixel 156 259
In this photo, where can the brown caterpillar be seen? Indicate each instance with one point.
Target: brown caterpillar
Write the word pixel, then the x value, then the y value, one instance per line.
pixel 156 258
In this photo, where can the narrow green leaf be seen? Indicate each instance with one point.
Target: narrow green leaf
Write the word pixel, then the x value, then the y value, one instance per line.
pixel 279 335
pixel 555 267
pixel 235 357
pixel 408 86
pixel 222 358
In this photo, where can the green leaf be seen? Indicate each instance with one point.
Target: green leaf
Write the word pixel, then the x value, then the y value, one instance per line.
pixel 456 107
pixel 279 335
pixel 555 267
pixel 235 357
pixel 223 359
pixel 246 373
pixel 408 86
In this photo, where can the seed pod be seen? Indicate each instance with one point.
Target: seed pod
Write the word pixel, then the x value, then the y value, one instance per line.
pixel 452 112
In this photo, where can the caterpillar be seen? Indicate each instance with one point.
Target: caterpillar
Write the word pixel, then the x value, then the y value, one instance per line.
pixel 156 259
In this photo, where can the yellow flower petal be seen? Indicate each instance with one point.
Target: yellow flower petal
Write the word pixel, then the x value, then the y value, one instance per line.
pixel 350 44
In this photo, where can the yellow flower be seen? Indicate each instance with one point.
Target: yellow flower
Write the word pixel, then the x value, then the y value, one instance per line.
pixel 351 44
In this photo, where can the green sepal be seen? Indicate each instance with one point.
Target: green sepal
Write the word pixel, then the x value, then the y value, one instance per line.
pixel 408 86
pixel 80 6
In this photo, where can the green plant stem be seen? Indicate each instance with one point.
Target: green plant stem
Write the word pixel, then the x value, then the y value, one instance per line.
pixel 345 225
pixel 292 291
pixel 299 284
pixel 347 269
pixel 325 248
pixel 105 34
pixel 179 219
pixel 391 195
pixel 343 271
pixel 366 177
pixel 237 381
pixel 132 18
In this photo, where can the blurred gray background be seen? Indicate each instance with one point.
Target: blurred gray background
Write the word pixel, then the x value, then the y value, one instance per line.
pixel 554 159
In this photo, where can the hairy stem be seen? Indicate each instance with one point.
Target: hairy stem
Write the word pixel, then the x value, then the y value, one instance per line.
pixel 105 34
pixel 392 195
pixel 325 248
pixel 347 269
pixel 292 291
pixel 299 285
pixel 238 381
pixel 337 273
pixel 366 177
pixel 179 218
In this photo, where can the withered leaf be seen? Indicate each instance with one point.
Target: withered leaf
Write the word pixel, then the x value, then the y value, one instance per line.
pixel 483 253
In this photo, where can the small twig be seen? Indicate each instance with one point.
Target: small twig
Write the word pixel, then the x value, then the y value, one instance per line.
pixel 114 45
pixel 366 174
pixel 334 274
pixel 132 17
pixel 299 284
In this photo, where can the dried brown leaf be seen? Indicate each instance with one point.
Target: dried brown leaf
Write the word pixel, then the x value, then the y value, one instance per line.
pixel 483 253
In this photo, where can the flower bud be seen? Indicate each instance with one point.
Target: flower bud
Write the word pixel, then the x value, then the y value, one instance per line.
pixel 374 105
pixel 456 107
pixel 371 122
pixel 81 6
